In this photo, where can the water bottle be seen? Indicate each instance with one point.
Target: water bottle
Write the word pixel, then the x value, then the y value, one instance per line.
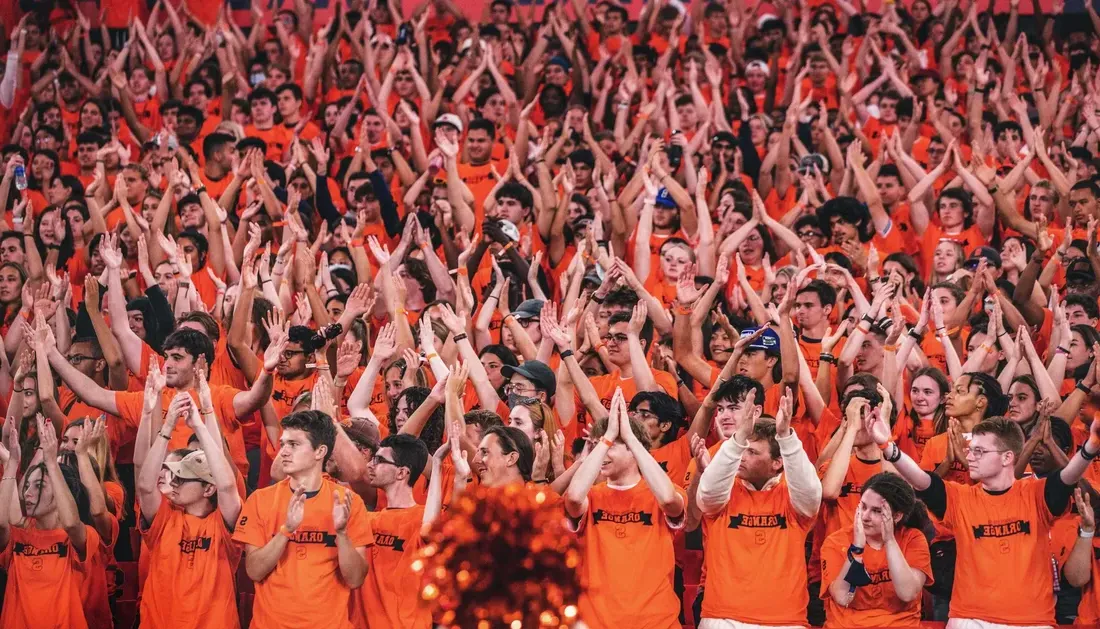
pixel 20 177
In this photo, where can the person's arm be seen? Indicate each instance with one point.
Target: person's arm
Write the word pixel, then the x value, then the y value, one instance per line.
pixel 84 387
pixel 1078 567
pixel 97 500
pixel 575 498
pixel 67 515
pixel 671 502
pixel 639 365
pixel 833 479
pixel 1059 487
pixel 129 342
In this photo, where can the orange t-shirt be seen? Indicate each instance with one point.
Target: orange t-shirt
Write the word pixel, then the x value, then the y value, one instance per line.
pixel 1002 539
pixel 755 558
pixel 970 238
pixel 192 570
pixel 674 458
pixel 44 577
pixel 278 138
pixel 606 384
pixel 93 588
pixel 309 569
pixel 624 529
pixel 390 597
pixel 877 604
pixel 129 405
pixel 1063 537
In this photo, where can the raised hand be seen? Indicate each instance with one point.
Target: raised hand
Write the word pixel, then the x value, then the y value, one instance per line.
pixel 700 452
pixel 784 415
pixel 47 438
pixel 385 346
pixel 348 356
pixel 296 510
pixel 1086 516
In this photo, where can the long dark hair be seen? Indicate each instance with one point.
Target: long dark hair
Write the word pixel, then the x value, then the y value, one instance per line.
pixel 939 418
pixel 72 481
pixel 900 496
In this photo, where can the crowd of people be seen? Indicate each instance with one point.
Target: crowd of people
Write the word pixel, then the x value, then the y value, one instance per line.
pixel 419 314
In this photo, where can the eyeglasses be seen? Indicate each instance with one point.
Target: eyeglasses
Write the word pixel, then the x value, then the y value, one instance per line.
pixel 76 359
pixel 615 338
pixel 643 413
pixel 378 460
pixel 809 233
pixel 519 390
pixel 176 482
pixel 526 323
pixel 979 452
pixel 291 353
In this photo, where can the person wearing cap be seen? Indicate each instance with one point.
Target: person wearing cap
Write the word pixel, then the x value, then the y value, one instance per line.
pixel 532 381
pixel 759 496
pixel 188 529
pixel 523 325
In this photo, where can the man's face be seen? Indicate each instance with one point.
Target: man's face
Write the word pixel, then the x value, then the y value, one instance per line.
pixel 288 105
pixel 687 114
pixel 808 310
pixel 479 146
pixel 556 75
pixel 757 464
pixel 83 356
pixel 139 82
pixel 11 251
pixel 297 454
pixel 136 186
pixel 643 414
pixel 618 343
pixel 499 14
pixel 617 462
pixel 756 364
pixel 986 457
pixel 1082 206
pixel 889 188
pixel 385 473
pixel 491 463
pixel 508 209
pixel 375 127
pixel 85 154
pixel 191 216
pixel 187 127
pixel 869 356
pixel 843 231
pixel 1074 313
pixel 952 213
pixel 292 363
pixel 179 368
pixel 613 23
pixel 263 112
pixel 888 110
pixel 196 97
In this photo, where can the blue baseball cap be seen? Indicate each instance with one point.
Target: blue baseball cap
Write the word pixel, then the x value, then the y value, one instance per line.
pixel 664 199
pixel 768 341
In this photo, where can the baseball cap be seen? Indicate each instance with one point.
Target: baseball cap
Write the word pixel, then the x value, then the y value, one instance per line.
pixel 664 199
pixel 806 164
pixel 724 136
pixel 559 60
pixel 768 341
pixel 537 372
pixel 529 309
pixel 450 119
pixel 191 467
pixel 759 65
pixel 989 253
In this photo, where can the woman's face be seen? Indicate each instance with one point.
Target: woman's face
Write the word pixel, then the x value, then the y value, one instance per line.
pixel 51 229
pixel 945 259
pixel 1079 352
pixel 779 289
pixel 720 345
pixel 925 395
pixel 1009 251
pixel 149 207
pixel 11 285
pixel 758 131
pixel 57 193
pixel 42 167
pixel 752 248
pixel 37 494
pixel 90 116
pixel 520 417
pixel 674 260
pixel 1022 403
pixel 492 364
pixel 76 221
pixel 919 11
pixel 163 275
pixel 394 384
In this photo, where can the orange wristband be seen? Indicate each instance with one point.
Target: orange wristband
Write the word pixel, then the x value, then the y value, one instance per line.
pixel 357 242
pixel 463 271
pixel 607 442
pixel 278 223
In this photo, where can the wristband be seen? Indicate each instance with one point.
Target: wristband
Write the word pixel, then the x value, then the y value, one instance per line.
pixel 1085 454
pixel 827 358
pixel 1085 534
pixel 868 319
pixel 431 356
pixel 459 337
pixel 508 247
pixel 207 411
pixel 21 390
pixel 916 336
pixel 164 436
pixel 284 531
pixel 200 190
pixel 683 311
pixel 600 345
pixel 1083 388
pixel 597 299
pixel 855 550
pixel 607 442
pixel 890 348
pixel 278 224
pixel 566 354
pixel 463 271
pixel 1061 350
pixel 895 454
pixel 357 242
pixel 505 317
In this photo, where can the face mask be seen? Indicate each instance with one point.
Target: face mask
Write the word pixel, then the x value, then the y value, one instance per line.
pixel 515 400
pixel 256 78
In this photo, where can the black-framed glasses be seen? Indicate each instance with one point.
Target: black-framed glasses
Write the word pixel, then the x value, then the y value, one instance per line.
pixel 616 338
pixel 378 459
pixel 76 359
pixel 291 353
pixel 526 323
pixel 979 452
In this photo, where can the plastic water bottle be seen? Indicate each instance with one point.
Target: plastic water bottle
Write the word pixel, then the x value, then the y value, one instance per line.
pixel 20 177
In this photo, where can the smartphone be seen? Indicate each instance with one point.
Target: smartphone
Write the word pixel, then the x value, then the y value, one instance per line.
pixel 403 35
pixel 675 153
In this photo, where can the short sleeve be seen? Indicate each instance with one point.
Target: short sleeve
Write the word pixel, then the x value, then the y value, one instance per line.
pixel 223 404
pixel 129 405
pixel 251 526
pixel 91 547
pixel 160 522
pixel 359 527
pixel 917 554
pixel 677 523
pixel 832 560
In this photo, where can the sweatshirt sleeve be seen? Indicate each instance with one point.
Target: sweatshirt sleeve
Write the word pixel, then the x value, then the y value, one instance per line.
pixel 802 480
pixel 716 481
